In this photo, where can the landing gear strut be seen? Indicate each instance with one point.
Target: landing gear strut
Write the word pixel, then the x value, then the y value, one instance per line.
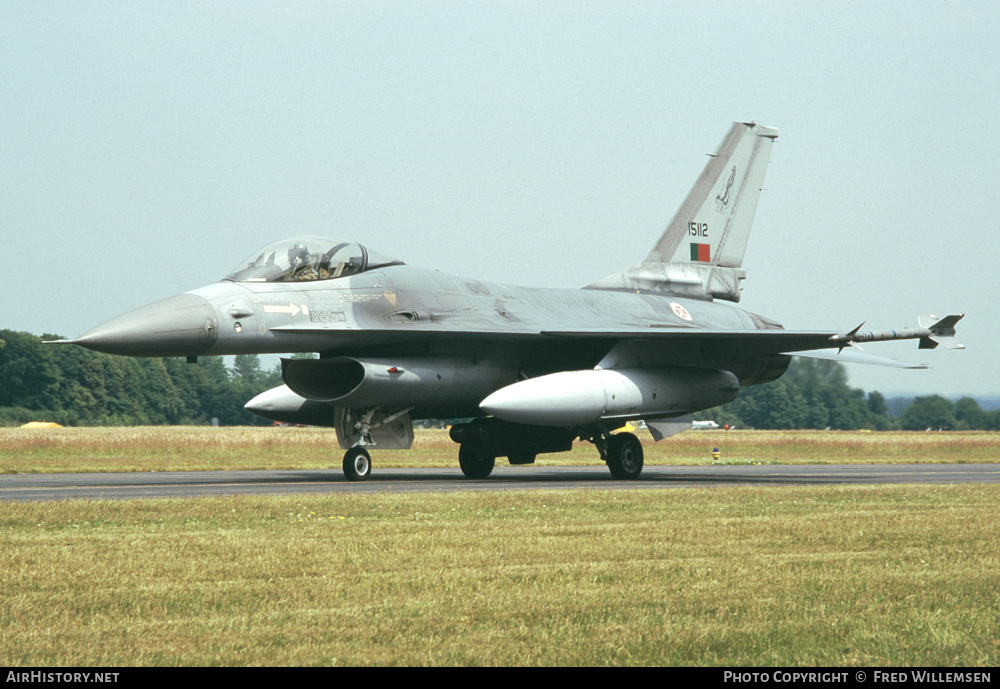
pixel 370 427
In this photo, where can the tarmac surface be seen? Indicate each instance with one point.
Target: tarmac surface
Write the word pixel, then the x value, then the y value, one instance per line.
pixel 189 484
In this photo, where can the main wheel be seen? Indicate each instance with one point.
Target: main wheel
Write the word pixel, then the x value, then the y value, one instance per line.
pixel 625 456
pixel 475 461
pixel 357 464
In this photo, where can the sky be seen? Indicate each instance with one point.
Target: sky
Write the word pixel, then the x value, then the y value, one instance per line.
pixel 146 148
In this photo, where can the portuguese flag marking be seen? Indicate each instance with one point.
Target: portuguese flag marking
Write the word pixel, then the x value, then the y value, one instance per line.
pixel 701 252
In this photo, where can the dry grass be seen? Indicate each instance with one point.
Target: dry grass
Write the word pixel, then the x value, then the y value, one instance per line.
pixel 202 448
pixel 897 575
pixel 164 448
pixel 826 447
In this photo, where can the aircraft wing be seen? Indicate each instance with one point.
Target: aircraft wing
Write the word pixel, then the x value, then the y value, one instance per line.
pixel 751 342
pixel 805 343
pixel 931 333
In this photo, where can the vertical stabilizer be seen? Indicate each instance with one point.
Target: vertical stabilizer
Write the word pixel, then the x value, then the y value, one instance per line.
pixel 701 252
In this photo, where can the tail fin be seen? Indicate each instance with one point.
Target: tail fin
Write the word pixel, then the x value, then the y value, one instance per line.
pixel 701 251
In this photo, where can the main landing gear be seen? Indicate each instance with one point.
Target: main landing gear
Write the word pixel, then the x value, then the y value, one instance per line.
pixel 475 460
pixel 624 456
pixel 482 440
pixel 622 452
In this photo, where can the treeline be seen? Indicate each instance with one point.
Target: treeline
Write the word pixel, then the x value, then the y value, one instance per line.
pixel 77 387
pixel 814 394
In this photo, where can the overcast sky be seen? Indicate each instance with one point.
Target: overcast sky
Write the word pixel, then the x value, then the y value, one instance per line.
pixel 146 148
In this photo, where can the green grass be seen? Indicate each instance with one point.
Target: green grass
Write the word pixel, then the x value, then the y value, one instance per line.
pixel 873 575
pixel 204 448
pixel 866 575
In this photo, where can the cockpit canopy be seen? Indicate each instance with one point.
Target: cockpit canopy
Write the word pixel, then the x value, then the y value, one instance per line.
pixel 308 258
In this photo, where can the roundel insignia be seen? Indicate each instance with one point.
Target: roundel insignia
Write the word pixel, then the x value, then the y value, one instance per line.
pixel 680 311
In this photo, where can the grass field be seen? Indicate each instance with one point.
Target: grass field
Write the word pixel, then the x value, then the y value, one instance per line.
pixel 900 575
pixel 776 576
pixel 161 448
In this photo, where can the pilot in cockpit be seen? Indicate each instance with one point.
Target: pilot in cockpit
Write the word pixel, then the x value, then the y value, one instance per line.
pixel 301 264
pixel 298 256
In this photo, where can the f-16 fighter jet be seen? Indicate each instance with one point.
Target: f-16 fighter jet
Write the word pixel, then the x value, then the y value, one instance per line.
pixel 532 369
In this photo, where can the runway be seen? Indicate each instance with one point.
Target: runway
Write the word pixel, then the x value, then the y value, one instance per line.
pixel 190 484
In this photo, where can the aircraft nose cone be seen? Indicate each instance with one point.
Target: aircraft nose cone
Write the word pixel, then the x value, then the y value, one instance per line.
pixel 184 325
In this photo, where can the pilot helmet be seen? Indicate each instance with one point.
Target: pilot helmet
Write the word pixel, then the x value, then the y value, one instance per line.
pixel 298 254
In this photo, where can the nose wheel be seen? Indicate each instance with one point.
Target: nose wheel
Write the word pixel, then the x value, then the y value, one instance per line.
pixel 357 464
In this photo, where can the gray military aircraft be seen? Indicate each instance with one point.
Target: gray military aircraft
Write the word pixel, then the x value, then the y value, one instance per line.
pixel 534 369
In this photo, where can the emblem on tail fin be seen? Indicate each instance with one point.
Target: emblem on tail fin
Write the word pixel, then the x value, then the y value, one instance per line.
pixel 722 200
pixel 701 253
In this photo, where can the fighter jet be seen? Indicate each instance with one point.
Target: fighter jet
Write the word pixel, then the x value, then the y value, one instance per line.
pixel 532 369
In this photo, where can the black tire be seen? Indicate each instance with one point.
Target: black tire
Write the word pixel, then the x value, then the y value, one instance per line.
pixel 625 456
pixel 475 461
pixel 357 464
